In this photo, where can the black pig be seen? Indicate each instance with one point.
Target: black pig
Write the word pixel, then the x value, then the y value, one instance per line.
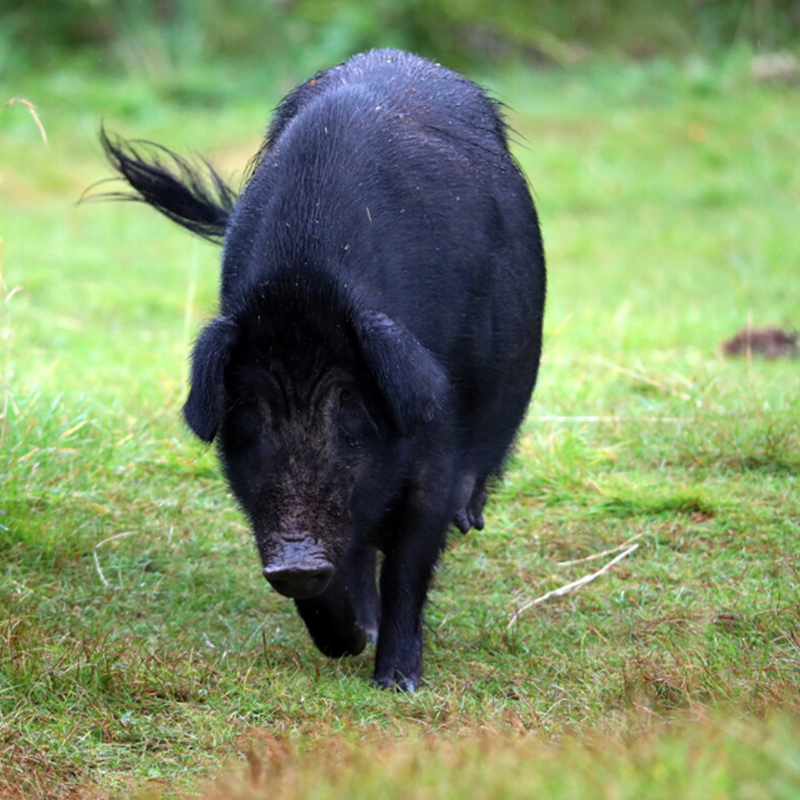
pixel 378 336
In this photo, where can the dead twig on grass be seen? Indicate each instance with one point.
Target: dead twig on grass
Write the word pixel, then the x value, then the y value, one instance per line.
pixel 570 587
pixel 30 107
pixel 97 560
pixel 595 556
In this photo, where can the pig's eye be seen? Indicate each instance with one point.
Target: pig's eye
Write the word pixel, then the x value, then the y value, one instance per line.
pixel 353 419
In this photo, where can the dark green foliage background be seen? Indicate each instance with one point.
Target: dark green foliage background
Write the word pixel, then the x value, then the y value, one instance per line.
pixel 159 35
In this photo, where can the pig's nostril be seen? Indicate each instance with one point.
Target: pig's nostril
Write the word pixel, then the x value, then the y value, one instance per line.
pixel 301 580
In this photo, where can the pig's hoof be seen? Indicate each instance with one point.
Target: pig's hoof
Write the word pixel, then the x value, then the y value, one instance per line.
pixel 475 507
pixel 372 634
pixel 462 520
pixel 471 516
pixel 477 522
pixel 336 644
pixel 398 682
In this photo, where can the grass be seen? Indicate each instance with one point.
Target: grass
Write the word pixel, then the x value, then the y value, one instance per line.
pixel 709 761
pixel 141 653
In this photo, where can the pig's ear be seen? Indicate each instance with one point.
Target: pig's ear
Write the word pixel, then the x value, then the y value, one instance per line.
pixel 412 382
pixel 203 408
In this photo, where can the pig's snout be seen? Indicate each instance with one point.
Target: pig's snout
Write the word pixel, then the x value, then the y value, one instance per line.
pixel 296 572
pixel 300 580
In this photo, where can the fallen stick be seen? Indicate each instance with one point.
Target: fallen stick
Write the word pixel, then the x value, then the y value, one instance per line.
pixel 97 560
pixel 115 536
pixel 570 587
pixel 100 571
pixel 595 556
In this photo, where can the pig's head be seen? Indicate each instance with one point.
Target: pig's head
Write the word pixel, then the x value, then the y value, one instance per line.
pixel 312 400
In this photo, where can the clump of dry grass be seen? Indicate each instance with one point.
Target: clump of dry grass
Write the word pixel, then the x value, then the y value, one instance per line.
pixel 695 757
pixel 31 109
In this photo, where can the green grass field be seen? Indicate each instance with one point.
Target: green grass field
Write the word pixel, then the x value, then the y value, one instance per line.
pixel 141 651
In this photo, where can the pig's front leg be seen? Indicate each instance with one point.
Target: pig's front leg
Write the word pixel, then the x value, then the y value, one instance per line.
pixel 345 615
pixel 408 565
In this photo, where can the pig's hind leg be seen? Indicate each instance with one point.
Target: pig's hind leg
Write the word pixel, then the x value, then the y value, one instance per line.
pixel 345 616
pixel 470 500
